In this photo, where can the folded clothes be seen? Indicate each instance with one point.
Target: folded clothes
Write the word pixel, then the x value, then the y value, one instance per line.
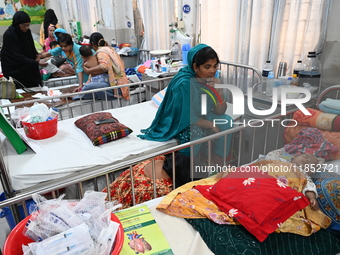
pixel 326 109
pixel 331 103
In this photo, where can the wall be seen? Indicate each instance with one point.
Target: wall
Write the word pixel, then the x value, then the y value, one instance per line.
pixel 331 54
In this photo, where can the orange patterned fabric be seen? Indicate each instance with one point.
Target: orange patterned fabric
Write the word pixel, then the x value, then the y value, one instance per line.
pixel 121 188
pixel 318 119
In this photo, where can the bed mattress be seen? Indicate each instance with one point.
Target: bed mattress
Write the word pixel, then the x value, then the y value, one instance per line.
pixel 70 150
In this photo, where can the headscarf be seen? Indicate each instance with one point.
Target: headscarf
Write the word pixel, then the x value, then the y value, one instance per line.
pixel 26 41
pixel 179 108
pixel 50 18
pixel 57 32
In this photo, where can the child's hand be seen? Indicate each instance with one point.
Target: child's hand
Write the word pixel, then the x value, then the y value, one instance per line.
pixel 312 199
pixel 314 204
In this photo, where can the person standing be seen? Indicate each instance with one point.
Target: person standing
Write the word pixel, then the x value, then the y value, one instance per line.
pixel 19 57
pixel 49 19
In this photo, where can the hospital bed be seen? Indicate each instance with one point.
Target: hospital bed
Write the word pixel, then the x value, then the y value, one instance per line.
pixel 247 143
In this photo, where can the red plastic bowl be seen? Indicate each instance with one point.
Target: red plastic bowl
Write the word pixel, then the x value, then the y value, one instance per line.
pixel 16 238
pixel 41 130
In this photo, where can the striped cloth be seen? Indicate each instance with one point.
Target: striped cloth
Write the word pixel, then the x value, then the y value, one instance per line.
pixel 158 98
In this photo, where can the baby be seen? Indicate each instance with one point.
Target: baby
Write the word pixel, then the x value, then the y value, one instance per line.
pixel 91 61
pixel 306 162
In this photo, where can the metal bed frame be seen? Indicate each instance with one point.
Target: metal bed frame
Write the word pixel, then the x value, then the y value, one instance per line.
pixel 232 73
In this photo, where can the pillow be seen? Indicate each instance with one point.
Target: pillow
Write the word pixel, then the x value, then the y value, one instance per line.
pixel 158 98
pixel 102 133
pixel 318 119
pixel 57 61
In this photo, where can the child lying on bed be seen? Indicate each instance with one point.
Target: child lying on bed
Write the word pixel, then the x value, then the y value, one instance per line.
pixel 305 162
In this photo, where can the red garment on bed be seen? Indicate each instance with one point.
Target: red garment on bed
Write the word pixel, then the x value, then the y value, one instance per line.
pixel 258 201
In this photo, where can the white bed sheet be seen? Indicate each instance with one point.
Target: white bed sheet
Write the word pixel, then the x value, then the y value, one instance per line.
pixel 70 150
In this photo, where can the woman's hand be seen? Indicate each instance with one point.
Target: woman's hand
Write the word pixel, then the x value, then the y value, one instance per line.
pixel 215 129
pixel 80 87
pixel 42 63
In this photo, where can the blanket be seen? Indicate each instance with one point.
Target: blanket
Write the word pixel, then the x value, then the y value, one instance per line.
pixel 236 240
pixel 328 124
pixel 187 202
pixel 310 140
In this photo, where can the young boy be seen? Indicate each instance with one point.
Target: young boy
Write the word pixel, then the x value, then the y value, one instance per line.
pixel 91 61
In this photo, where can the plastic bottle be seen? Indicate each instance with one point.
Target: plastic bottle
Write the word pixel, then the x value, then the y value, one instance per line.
pixel 295 80
pixel 113 43
pixel 265 72
pixel 133 42
pixel 270 84
pixel 289 81
pixel 185 48
pixel 268 67
pixel 298 67
pixel 312 73
pixel 176 52
pixel 53 113
pixel 307 60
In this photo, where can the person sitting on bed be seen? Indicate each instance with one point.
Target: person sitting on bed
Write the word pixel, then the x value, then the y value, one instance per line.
pixel 179 116
pixel 91 61
pixel 121 188
pixel 110 64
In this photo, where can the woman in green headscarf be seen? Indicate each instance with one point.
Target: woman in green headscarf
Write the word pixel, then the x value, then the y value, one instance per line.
pixel 180 114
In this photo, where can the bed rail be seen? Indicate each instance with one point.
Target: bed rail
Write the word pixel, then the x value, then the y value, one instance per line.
pixel 325 94
pixel 245 138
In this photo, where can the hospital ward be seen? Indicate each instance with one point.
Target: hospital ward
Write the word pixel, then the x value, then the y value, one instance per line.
pixel 185 127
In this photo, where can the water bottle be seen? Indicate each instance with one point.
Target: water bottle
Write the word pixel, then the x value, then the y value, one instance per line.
pixel 312 73
pixel 185 48
pixel 294 81
pixel 265 71
pixel 270 84
pixel 113 43
pixel 176 53
pixel 298 67
pixel 133 42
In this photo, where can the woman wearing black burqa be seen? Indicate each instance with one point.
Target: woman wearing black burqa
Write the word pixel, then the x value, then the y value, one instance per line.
pixel 49 19
pixel 19 58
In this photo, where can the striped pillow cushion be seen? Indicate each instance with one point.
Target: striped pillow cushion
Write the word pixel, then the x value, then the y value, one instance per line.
pixel 158 98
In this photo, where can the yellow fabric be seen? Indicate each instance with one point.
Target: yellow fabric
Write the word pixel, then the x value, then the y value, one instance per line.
pixel 112 62
pixel 41 32
pixel 187 202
